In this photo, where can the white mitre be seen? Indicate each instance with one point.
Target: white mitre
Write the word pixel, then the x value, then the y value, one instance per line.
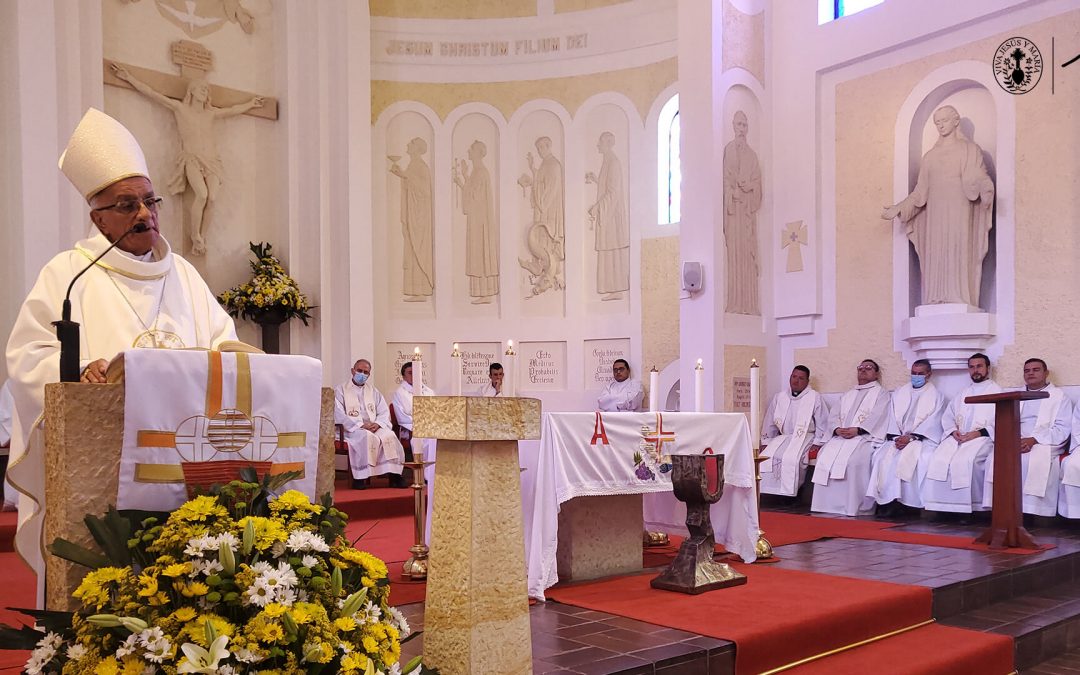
pixel 101 151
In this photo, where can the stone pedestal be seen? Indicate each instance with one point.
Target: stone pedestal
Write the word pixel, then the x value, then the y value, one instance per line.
pixel 599 537
pixel 476 616
pixel 84 433
pixel 947 334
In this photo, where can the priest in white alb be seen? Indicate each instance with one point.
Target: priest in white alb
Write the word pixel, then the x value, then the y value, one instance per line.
pixel 623 393
pixel 403 397
pixel 1069 494
pixel 957 471
pixel 1045 427
pixel 362 411
pixel 140 294
pixel 856 427
pixel 914 431
pixel 795 424
pixel 493 387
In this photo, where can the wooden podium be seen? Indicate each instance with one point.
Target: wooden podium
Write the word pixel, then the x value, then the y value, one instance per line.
pixel 1006 519
pixel 84 433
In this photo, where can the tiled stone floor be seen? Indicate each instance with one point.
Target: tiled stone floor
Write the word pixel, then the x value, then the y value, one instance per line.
pixel 1031 597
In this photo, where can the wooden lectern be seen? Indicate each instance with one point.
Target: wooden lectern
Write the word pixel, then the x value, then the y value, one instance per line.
pixel 1006 519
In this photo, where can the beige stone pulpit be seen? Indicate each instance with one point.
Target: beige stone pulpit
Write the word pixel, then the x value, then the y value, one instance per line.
pixel 84 433
pixel 476 616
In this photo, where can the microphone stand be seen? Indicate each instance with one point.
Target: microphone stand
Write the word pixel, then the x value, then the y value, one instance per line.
pixel 67 331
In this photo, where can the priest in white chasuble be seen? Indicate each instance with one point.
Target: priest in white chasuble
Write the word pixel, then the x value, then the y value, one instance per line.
pixel 1045 427
pixel 361 409
pixel 856 429
pixel 140 294
pixel 914 431
pixel 795 423
pixel 623 393
pixel 957 471
pixel 1069 494
pixel 403 405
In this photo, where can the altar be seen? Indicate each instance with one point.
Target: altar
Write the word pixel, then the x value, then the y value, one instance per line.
pixel 613 455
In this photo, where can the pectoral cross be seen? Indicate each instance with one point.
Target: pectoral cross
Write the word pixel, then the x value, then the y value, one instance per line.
pixel 793 239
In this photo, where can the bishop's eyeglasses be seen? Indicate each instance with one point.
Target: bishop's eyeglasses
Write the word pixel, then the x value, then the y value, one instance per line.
pixel 131 206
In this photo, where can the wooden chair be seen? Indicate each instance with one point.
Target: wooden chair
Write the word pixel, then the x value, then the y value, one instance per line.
pixel 340 447
pixel 405 437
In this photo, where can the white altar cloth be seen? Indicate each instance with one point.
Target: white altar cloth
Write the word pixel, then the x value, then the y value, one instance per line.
pixel 591 454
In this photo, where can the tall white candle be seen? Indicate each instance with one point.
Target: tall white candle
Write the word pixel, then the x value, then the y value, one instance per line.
pixel 510 370
pixel 755 403
pixel 455 376
pixel 417 373
pixel 699 387
pixel 654 390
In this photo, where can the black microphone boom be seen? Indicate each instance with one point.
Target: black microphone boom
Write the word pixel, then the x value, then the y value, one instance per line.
pixel 67 331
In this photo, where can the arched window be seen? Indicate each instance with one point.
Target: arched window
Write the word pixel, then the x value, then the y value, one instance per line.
pixel 835 9
pixel 669 168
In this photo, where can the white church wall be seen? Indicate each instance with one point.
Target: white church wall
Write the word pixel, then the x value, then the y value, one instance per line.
pixel 845 84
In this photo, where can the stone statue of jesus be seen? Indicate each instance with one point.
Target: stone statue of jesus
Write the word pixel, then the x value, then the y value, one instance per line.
pixel 949 215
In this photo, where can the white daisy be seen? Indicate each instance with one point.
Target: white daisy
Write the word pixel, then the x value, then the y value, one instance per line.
pixel 309 561
pixel 245 655
pixel 259 593
pixel 261 567
pixel 230 539
pixel 398 621
pixel 76 652
pixel 302 540
pixel 369 613
pixel 128 646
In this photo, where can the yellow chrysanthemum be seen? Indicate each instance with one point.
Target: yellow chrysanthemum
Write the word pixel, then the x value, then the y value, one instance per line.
pixel 195 589
pixel 96 588
pixel 200 509
pixel 148 585
pixel 176 570
pixel 269 632
pixel 274 610
pixel 370 644
pixel 195 631
pixel 185 614
pixel 345 624
pixel 108 666
pixel 267 531
pixel 354 661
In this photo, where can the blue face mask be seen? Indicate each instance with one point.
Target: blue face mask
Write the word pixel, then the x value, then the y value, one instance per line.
pixel 359 379
pixel 918 380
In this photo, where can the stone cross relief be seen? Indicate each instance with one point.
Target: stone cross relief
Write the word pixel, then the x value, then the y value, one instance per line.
pixel 793 239
pixel 198 172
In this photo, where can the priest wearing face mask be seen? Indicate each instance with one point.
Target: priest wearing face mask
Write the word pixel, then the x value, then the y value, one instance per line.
pixel 140 294
pixel 914 430
pixel 361 409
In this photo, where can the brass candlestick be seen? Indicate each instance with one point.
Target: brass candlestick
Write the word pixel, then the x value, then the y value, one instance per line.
pixel 762 547
pixel 415 568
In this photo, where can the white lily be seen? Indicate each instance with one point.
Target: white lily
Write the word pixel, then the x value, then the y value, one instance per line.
pixel 200 660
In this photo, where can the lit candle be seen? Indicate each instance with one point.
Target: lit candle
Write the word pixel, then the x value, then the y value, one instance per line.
pixel 510 370
pixel 654 390
pixel 417 373
pixel 455 362
pixel 699 387
pixel 755 403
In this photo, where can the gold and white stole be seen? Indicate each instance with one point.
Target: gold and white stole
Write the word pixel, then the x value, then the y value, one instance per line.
pixel 1041 455
pixel 969 417
pixel 367 411
pixel 833 459
pixel 909 456
pixel 781 445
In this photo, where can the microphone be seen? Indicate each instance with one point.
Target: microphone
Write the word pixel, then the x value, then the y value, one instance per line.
pixel 67 331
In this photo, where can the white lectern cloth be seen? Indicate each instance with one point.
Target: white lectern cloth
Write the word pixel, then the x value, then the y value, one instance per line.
pixel 178 392
pixel 572 459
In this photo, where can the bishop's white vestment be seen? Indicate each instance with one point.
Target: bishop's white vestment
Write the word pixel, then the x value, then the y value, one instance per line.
pixel 1049 422
pixel 897 474
pixel 625 396
pixel 122 303
pixel 957 471
pixel 371 453
pixel 842 473
pixel 792 423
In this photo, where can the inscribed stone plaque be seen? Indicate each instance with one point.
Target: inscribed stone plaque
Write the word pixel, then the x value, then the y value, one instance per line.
pixel 475 359
pixel 398 353
pixel 543 366
pixel 599 355
pixel 740 394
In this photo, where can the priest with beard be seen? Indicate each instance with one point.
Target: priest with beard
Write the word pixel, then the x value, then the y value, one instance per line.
pixel 140 294
pixel 1045 425
pixel 857 428
pixel 793 427
pixel 957 469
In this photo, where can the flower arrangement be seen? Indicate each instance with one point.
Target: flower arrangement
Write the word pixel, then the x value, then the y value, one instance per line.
pixel 271 291
pixel 230 582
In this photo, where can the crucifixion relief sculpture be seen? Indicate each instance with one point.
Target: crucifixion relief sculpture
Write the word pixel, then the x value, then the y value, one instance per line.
pixel 607 216
pixel 546 233
pixel 949 214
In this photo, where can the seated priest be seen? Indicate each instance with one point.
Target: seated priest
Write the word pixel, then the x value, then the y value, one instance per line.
pixel 1045 427
pixel 140 294
pixel 794 425
pixel 857 428
pixel 361 409
pixel 1069 495
pixel 623 393
pixel 914 430
pixel 403 396
pixel 956 474
pixel 494 386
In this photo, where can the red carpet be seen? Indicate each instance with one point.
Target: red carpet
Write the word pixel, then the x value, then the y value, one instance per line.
pixel 373 503
pixel 778 617
pixel 389 539
pixel 17 590
pixel 8 522
pixel 929 650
